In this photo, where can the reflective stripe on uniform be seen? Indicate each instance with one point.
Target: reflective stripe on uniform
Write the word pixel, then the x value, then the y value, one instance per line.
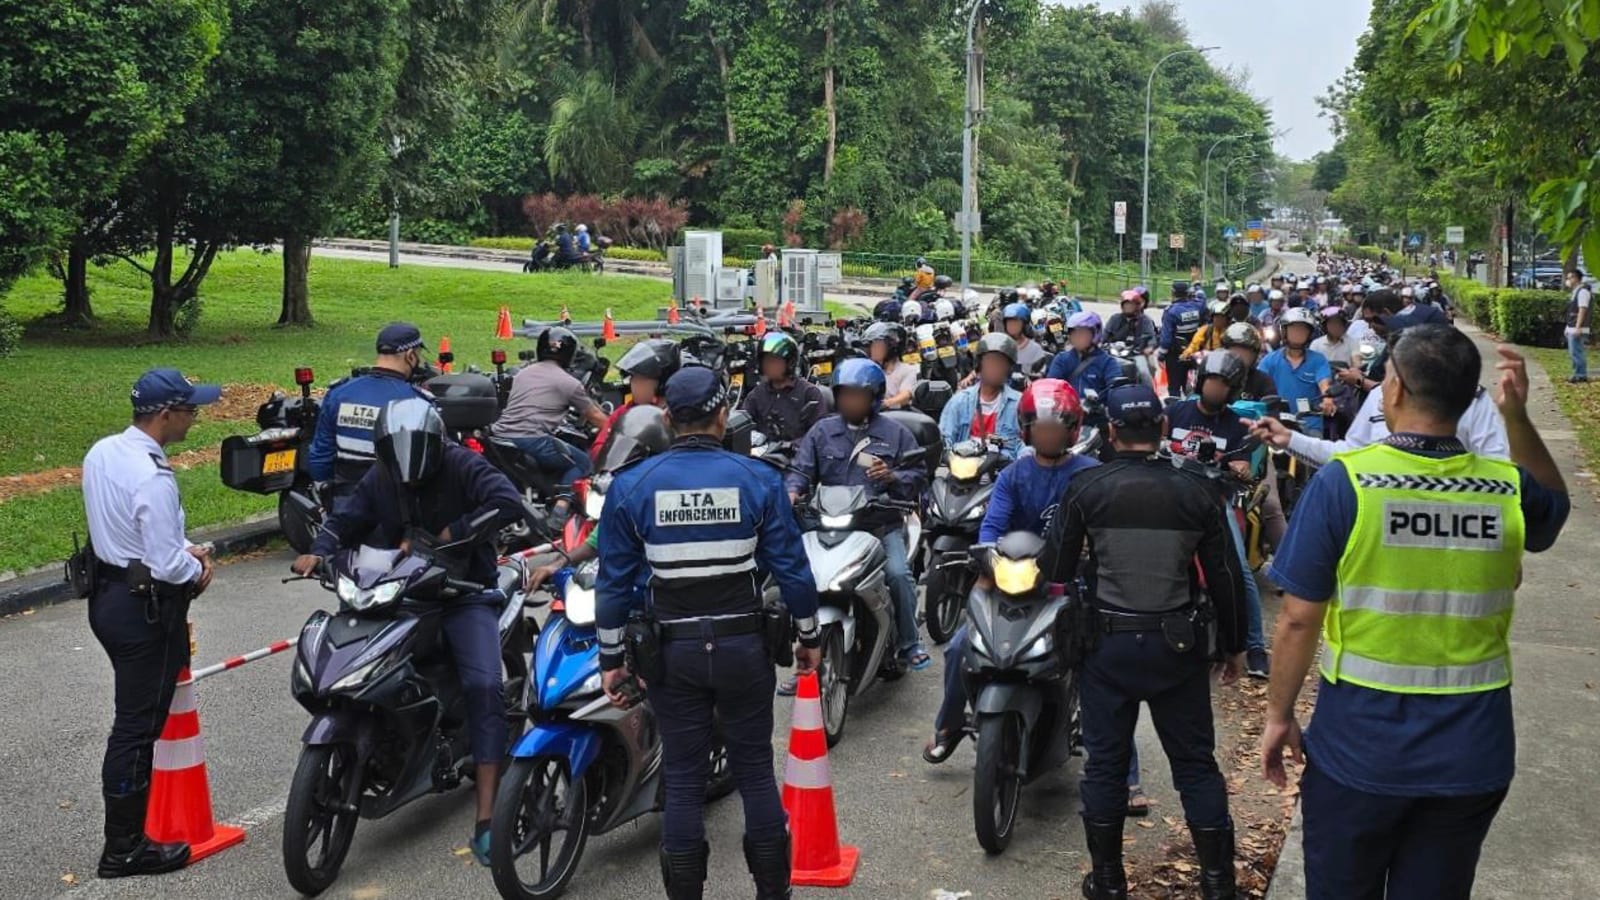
pixel 174 756
pixel 687 573
pixel 1440 484
pixel 1359 669
pixel 808 715
pixel 359 446
pixel 1466 605
pixel 610 637
pixel 807 773
pixel 699 550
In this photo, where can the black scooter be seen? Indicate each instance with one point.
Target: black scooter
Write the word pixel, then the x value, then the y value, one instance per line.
pixel 953 513
pixel 388 723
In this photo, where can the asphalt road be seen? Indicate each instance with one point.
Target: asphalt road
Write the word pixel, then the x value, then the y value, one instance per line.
pixel 912 822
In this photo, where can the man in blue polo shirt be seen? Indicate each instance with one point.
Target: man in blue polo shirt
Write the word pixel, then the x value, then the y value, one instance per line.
pixel 1299 372
pixel 1408 570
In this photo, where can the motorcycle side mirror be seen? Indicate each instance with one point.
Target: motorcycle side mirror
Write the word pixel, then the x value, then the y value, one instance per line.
pixel 599 342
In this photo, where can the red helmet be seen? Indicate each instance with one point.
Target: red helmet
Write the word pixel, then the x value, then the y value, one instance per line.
pixel 1050 398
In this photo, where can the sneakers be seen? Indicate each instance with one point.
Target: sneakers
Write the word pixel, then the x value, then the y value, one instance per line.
pixel 1578 379
pixel 1257 664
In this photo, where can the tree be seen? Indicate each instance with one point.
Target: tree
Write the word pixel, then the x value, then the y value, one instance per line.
pixel 85 89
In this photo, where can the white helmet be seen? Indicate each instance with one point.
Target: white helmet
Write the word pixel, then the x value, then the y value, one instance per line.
pixel 911 311
pixel 944 311
pixel 1304 285
pixel 1040 318
pixel 1222 286
pixel 583 229
pixel 1275 294
pixel 1253 289
pixel 1406 291
pixel 970 298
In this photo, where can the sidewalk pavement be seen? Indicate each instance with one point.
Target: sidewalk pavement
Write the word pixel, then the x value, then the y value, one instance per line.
pixel 1542 843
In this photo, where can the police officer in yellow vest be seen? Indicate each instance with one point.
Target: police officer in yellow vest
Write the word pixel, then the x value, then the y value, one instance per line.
pixel 1405 556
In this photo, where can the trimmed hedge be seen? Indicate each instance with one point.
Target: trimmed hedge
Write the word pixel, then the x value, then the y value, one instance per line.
pixel 524 244
pixel 1518 315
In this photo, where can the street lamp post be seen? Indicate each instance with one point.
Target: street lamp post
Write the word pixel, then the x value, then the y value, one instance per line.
pixel 969 199
pixel 1205 195
pixel 1144 202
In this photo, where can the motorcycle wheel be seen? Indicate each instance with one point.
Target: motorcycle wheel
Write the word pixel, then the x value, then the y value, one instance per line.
pixel 297 527
pixel 537 801
pixel 996 787
pixel 942 605
pixel 320 818
pixel 720 783
pixel 833 684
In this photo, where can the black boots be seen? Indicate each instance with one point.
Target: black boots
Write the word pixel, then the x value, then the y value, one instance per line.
pixel 128 851
pixel 1214 846
pixel 1107 880
pixel 684 874
pixel 769 866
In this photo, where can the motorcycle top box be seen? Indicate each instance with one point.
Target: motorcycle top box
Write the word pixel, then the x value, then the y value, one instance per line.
pixel 262 463
pixel 466 401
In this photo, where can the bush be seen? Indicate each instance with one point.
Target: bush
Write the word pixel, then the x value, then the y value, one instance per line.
pixel 1531 317
pixel 639 254
pixel 188 316
pixel 1472 299
pixel 523 244
pixel 10 334
pixel 738 239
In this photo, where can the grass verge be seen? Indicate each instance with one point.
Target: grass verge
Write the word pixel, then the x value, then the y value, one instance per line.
pixel 1580 403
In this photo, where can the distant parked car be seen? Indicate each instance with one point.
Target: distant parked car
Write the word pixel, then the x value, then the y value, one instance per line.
pixel 1539 273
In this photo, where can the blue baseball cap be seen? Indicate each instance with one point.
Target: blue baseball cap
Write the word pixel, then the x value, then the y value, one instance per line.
pixel 1133 404
pixel 694 392
pixel 398 337
pixel 158 389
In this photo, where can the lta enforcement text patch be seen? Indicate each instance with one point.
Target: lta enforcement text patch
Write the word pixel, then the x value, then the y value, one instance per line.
pixel 701 506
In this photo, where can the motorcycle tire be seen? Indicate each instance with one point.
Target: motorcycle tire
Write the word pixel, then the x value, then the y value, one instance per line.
pixel 943 605
pixel 298 528
pixel 312 816
pixel 833 683
pixel 721 782
pixel 525 808
pixel 996 786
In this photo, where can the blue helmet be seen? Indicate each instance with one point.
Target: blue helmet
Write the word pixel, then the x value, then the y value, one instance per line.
pixel 1017 311
pixel 862 373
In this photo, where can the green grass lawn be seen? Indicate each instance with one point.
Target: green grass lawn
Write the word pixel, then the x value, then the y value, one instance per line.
pixel 65 389
pixel 1580 403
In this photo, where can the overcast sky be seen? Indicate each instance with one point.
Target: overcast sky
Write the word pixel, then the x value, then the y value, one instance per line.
pixel 1293 50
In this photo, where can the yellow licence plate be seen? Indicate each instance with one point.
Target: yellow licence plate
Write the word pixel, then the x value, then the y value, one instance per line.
pixel 822 368
pixel 911 358
pixel 278 461
pixel 736 379
pixel 1055 327
pixel 946 352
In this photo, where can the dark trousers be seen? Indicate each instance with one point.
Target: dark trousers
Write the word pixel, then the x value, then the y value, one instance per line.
pixel 563 461
pixel 1177 371
pixel 472 632
pixel 731 679
pixel 1130 668
pixel 1362 846
pixel 148 644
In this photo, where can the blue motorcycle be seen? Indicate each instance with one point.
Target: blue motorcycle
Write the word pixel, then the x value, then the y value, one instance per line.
pixel 584 766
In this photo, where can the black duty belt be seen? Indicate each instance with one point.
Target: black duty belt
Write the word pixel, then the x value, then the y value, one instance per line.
pixel 694 629
pixel 1114 622
pixel 119 574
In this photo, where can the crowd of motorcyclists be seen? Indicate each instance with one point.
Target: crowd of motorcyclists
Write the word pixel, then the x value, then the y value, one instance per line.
pixel 881 422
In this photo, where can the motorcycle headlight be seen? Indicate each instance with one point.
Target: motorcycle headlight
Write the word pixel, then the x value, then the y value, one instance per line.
pixel 379 596
pixel 1015 576
pixel 965 468
pixel 975 513
pixel 357 678
pixel 1039 647
pixel 842 521
pixel 593 502
pixel 580 604
pixel 348 592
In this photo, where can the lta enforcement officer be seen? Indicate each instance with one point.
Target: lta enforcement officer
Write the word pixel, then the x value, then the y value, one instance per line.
pixel 1407 562
pixel 146 572
pixel 697 530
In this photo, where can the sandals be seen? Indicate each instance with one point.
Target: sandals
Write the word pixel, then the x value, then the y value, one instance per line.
pixel 918 660
pixel 1138 803
pixel 943 744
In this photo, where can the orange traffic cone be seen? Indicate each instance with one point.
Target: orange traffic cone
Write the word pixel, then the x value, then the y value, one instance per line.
pixel 786 314
pixel 566 315
pixel 761 321
pixel 502 326
pixel 672 314
pixel 818 859
pixel 609 330
pixel 180 794
pixel 446 358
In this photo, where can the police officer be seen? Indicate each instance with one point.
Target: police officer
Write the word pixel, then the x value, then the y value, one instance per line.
pixel 696 530
pixel 146 572
pixel 1179 325
pixel 424 481
pixel 1145 522
pixel 1408 570
pixel 341 451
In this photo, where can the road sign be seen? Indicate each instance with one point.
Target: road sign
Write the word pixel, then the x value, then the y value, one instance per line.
pixel 1174 242
pixel 1253 224
pixel 1455 234
pixel 1383 229
pixel 1414 241
pixel 1255 234
pixel 1119 217
pixel 1230 233
pixel 1149 240
pixel 977 223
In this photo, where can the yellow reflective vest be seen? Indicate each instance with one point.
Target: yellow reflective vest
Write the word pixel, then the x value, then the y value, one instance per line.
pixel 1428 578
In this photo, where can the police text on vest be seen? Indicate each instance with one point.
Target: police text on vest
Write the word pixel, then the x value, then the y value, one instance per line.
pixel 1445 526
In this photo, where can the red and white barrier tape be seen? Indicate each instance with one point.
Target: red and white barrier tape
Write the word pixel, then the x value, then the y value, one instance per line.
pixel 237 661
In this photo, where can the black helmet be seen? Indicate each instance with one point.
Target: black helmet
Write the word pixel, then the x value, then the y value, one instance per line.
pixel 654 358
pixel 890 333
pixel 1224 365
pixel 559 344
pixel 995 342
pixel 942 282
pixel 908 282
pixel 1006 297
pixel 640 431
pixel 1180 289
pixel 409 439
pixel 779 344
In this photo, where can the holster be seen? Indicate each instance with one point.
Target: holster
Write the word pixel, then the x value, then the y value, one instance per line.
pixel 1078 628
pixel 82 569
pixel 641 639
pixel 778 632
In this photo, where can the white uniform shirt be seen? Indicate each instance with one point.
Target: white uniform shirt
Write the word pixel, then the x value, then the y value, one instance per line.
pixel 131 497
pixel 1481 430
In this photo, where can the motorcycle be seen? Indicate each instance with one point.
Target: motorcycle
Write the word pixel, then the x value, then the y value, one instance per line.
pixel 275 460
pixel 388 722
pixel 585 767
pixel 1024 701
pixel 1292 473
pixel 544 258
pixel 1134 364
pixel 953 512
